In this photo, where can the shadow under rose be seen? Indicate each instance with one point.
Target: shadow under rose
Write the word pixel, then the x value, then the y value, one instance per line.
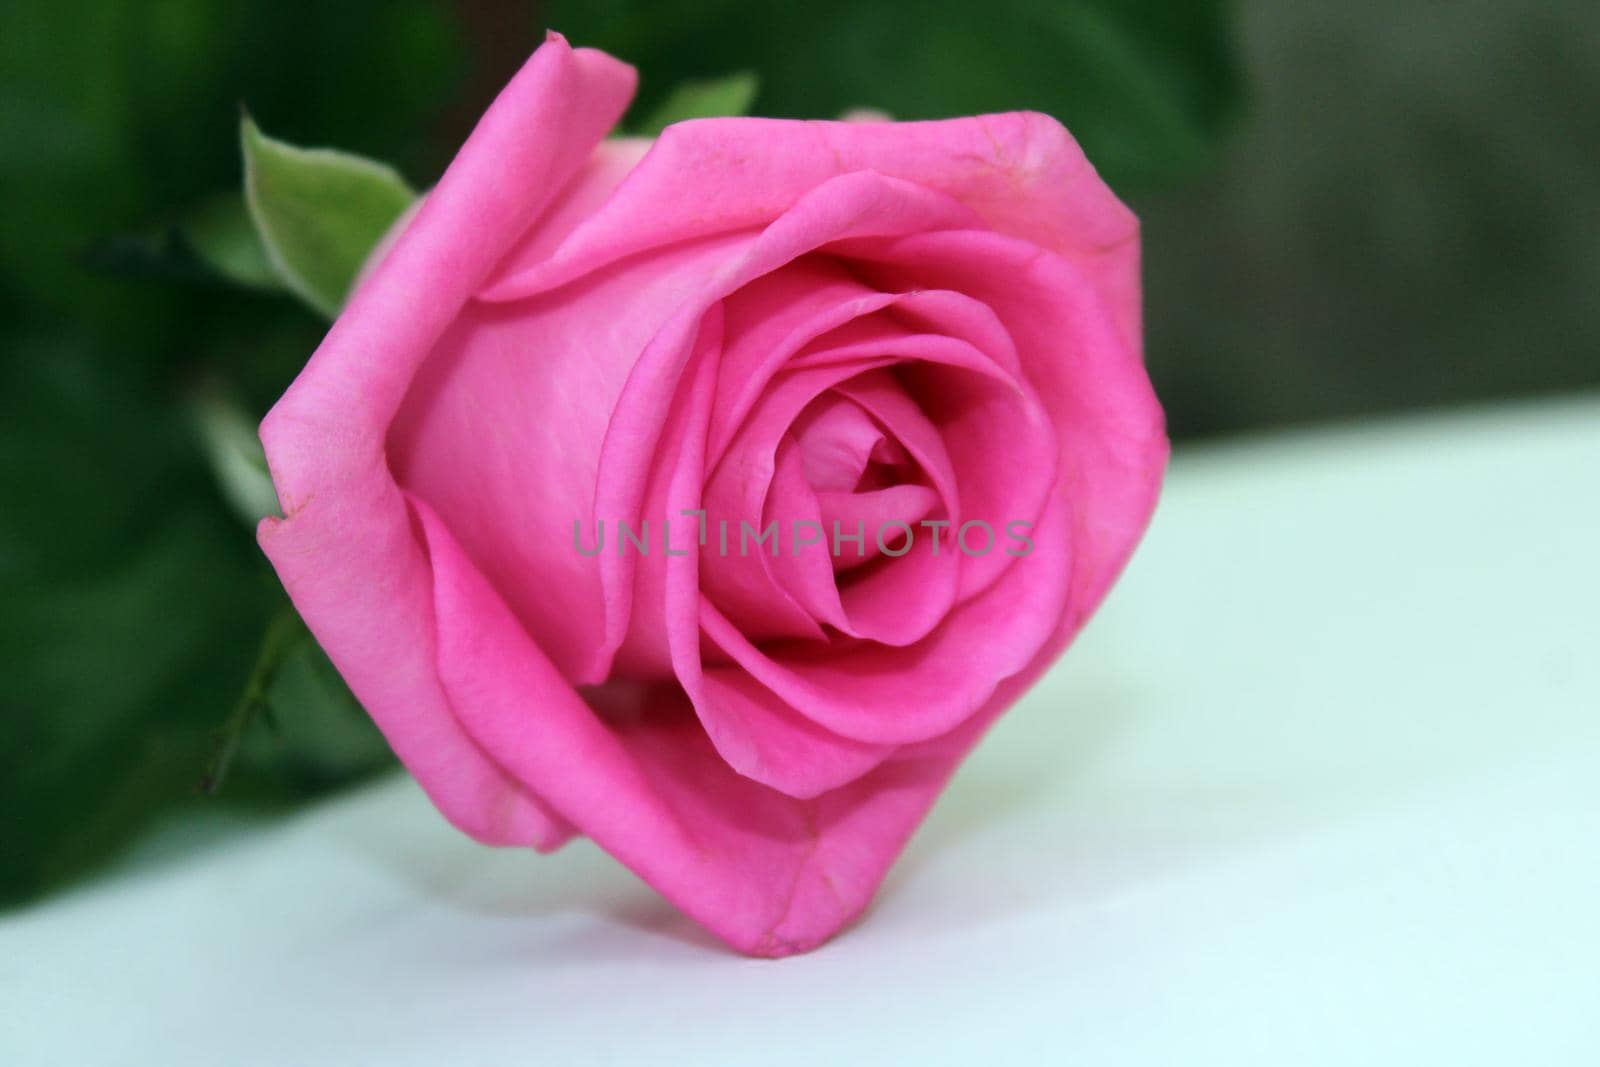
pixel 393 827
pixel 580 898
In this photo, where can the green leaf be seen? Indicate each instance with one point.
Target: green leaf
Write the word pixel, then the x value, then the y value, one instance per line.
pixel 237 459
pixel 319 212
pixel 706 98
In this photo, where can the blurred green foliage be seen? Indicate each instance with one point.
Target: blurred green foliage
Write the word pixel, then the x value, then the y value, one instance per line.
pixel 700 98
pixel 1145 85
pixel 133 599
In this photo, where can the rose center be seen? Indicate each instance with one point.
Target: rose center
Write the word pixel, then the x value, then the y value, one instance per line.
pixel 866 484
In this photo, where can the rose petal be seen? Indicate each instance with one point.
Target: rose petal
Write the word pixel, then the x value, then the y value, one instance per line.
pixel 924 583
pixel 898 695
pixel 502 430
pixel 1087 371
pixel 757 735
pixel 346 551
pixel 856 205
pixel 1021 172
pixel 610 162
pixel 770 874
pixel 987 421
pixel 769 321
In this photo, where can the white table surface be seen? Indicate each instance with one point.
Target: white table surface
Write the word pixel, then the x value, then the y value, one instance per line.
pixel 1321 784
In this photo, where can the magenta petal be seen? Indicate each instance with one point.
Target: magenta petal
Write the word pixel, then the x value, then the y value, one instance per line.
pixel 345 550
pixel 900 601
pixel 805 573
pixel 769 321
pixel 502 430
pixel 610 162
pixel 1085 367
pixel 847 207
pixel 770 874
pixel 875 511
pixel 988 420
pixel 899 695
pixel 756 734
pixel 1021 172
pixel 535 137
pixel 838 441
pixel 660 624
pixel 764 739
pixel 762 476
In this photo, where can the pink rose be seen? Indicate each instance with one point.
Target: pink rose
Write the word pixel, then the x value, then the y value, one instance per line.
pixel 753 326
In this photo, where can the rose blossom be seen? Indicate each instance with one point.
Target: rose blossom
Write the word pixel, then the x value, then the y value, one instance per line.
pixel 745 320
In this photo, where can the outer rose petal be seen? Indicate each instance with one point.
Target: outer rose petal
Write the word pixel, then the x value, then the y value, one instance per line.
pixel 769 874
pixel 1021 172
pixel 501 435
pixel 346 550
